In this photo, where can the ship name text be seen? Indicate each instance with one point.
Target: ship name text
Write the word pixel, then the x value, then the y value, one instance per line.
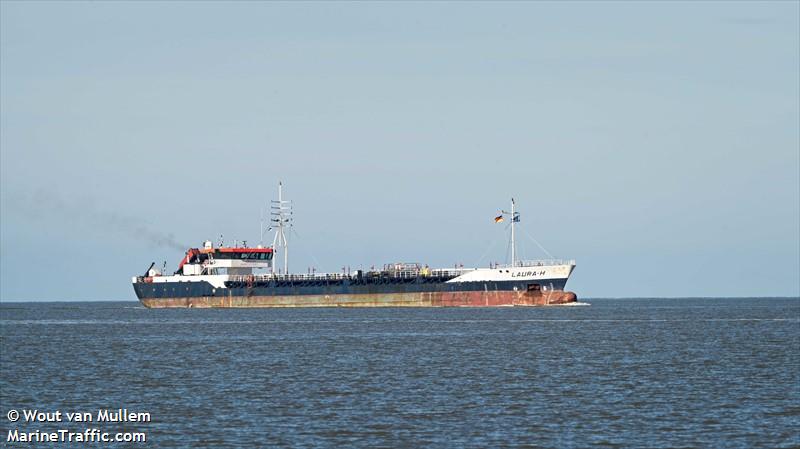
pixel 520 274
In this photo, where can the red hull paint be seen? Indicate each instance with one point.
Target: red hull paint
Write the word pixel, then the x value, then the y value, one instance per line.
pixel 428 299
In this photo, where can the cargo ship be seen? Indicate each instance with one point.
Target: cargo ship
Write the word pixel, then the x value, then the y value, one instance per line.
pixel 241 276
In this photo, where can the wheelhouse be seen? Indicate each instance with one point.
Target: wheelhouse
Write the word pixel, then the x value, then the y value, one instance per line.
pixel 224 260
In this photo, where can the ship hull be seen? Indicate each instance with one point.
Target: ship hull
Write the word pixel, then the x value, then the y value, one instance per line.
pixel 412 299
pixel 517 286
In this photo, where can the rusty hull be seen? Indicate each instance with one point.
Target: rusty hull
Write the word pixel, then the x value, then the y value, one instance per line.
pixel 423 299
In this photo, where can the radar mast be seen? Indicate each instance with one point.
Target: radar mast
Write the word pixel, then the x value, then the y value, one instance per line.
pixel 281 212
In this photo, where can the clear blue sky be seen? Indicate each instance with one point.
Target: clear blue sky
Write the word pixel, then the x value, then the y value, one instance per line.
pixel 656 143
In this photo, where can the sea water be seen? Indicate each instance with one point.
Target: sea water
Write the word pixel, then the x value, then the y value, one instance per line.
pixel 618 373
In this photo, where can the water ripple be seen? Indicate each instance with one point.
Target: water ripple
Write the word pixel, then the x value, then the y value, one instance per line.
pixel 620 373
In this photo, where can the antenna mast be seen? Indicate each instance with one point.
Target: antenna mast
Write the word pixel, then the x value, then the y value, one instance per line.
pixel 513 242
pixel 281 212
pixel 514 219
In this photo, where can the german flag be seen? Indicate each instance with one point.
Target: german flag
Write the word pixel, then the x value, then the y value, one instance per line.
pixel 499 219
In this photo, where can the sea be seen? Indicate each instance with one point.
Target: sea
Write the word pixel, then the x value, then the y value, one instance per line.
pixel 613 373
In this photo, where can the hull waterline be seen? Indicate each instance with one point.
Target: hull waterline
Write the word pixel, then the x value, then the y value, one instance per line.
pixel 419 299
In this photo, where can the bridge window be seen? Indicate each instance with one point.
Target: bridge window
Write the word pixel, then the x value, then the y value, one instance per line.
pixel 255 256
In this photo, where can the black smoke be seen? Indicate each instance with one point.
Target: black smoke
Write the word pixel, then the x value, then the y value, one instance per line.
pixel 48 205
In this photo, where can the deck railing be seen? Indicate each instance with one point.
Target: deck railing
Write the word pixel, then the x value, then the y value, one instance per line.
pixel 405 274
pixel 539 263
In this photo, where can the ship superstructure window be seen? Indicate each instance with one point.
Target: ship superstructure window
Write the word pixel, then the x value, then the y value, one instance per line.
pixel 243 255
pixel 257 256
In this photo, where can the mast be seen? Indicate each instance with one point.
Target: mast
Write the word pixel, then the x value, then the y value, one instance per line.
pixel 281 212
pixel 513 242
pixel 514 219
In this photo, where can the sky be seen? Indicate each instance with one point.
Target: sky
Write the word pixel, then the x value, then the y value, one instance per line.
pixel 656 143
